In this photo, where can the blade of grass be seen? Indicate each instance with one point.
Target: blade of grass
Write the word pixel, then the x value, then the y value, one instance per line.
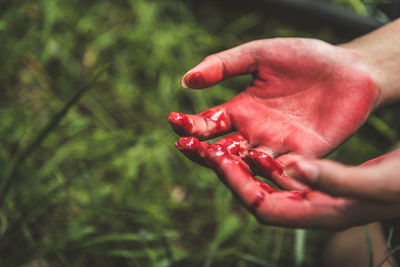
pixel 53 122
pixel 254 260
pixel 299 249
pixel 397 248
pixel 389 238
pixel 382 127
pixel 369 248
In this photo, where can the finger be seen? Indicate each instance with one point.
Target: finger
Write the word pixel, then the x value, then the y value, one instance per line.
pixel 264 165
pixel 379 182
pixel 289 158
pixel 235 144
pixel 210 123
pixel 236 176
pixel 297 208
pixel 191 148
pixel 215 68
pixel 387 156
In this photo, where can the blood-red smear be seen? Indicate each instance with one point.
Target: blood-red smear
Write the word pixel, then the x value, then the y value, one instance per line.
pixel 188 143
pixel 234 143
pixel 219 117
pixel 180 123
pixel 265 162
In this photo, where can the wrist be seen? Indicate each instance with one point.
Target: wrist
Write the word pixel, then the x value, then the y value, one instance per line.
pixel 380 59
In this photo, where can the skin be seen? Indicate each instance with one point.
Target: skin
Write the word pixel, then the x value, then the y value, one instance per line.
pixel 284 109
pixel 378 181
pixel 306 98
pixel 289 207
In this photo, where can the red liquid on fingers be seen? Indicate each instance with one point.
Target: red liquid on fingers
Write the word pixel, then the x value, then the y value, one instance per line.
pixel 188 143
pixel 235 144
pixel 180 123
pixel 265 163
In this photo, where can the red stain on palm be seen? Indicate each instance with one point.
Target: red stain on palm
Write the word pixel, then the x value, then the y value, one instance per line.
pixel 307 96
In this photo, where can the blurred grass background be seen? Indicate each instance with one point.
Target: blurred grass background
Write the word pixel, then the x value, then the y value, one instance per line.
pixel 102 184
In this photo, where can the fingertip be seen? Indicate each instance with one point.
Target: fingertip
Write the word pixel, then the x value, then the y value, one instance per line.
pixel 178 119
pixel 304 171
pixel 188 144
pixel 180 123
pixel 194 80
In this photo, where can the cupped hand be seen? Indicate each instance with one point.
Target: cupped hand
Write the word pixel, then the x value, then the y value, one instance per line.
pixel 296 206
pixel 306 97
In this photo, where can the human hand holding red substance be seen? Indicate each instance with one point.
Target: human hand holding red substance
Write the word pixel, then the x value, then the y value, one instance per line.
pixel 306 98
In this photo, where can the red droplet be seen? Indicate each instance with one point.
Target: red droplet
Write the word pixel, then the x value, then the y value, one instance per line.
pixel 216 150
pixel 219 118
pixel 235 143
pixel 188 143
pixel 180 123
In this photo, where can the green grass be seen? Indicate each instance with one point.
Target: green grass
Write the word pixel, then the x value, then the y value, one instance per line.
pixel 93 179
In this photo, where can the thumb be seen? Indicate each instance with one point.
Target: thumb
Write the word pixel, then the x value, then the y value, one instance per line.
pixel 380 182
pixel 217 67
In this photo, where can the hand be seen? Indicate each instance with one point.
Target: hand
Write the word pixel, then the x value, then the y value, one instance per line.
pixel 296 205
pixel 376 180
pixel 306 96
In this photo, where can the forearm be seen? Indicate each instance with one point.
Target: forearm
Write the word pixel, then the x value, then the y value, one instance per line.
pixel 381 52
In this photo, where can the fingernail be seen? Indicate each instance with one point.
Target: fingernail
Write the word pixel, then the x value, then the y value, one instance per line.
pixel 183 82
pixel 303 170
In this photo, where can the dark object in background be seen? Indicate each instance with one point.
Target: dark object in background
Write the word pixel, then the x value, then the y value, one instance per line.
pixel 320 12
pixel 391 9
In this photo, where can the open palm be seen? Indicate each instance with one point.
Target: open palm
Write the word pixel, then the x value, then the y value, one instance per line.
pixel 306 97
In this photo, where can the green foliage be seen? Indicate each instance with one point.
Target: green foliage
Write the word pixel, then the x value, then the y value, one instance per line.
pixel 99 182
